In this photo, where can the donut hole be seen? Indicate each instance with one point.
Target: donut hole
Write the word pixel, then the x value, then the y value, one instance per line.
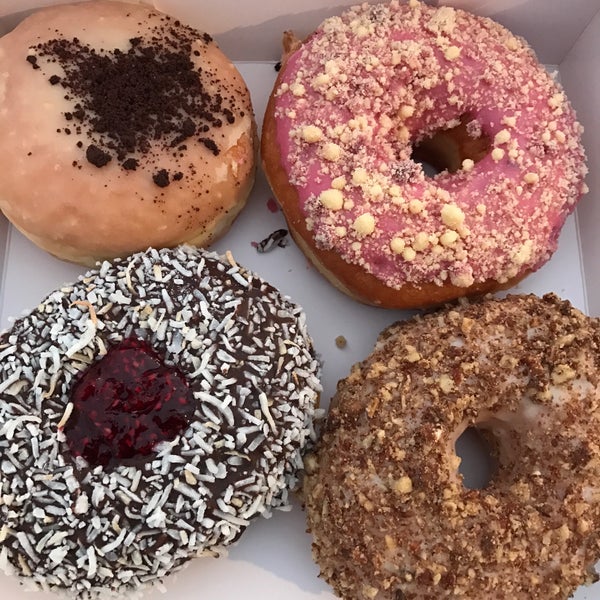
pixel 477 449
pixel 446 149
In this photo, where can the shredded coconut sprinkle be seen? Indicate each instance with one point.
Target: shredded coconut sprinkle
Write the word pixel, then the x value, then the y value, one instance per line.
pixel 97 532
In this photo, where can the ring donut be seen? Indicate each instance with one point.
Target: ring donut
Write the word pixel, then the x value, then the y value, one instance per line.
pixel 148 413
pixel 121 128
pixel 374 91
pixel 390 516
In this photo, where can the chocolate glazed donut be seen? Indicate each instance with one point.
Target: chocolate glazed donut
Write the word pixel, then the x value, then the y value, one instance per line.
pixel 148 413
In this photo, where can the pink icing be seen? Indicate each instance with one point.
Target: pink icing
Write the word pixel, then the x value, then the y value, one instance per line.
pixel 368 85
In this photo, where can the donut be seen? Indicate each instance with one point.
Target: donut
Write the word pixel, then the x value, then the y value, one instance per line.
pixel 148 413
pixel 390 516
pixel 121 128
pixel 371 94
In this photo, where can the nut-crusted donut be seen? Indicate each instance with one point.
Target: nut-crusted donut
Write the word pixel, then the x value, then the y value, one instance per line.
pixel 382 86
pixel 386 505
pixel 147 414
pixel 121 128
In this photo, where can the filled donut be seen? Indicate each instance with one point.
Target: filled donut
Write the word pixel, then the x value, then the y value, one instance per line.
pixel 148 413
pixel 390 516
pixel 121 128
pixel 370 95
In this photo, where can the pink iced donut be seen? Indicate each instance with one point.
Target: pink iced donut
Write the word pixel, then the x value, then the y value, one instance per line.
pixel 377 89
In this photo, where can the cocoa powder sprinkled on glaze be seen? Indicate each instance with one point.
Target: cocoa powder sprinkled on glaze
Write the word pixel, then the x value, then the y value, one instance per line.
pixel 126 101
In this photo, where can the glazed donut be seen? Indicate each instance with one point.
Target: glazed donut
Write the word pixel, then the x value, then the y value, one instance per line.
pixel 390 516
pixel 121 128
pixel 372 92
pixel 148 413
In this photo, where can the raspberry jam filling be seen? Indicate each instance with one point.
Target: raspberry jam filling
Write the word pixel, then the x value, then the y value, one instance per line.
pixel 125 404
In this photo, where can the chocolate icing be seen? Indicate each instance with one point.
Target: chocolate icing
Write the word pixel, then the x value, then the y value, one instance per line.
pixel 250 365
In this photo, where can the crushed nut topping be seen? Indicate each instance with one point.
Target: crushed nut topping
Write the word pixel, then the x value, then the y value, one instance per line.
pixel 386 504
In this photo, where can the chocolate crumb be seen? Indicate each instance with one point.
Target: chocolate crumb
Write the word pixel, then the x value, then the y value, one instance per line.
pixel 229 116
pixel 178 176
pixel 130 164
pixel 210 144
pixel 161 178
pixel 32 60
pixel 97 157
pixel 188 129
pixel 151 93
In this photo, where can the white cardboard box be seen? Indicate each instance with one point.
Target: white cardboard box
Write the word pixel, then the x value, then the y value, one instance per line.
pixel 273 560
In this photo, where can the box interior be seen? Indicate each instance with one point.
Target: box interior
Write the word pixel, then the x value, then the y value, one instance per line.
pixel 581 78
pixel 550 26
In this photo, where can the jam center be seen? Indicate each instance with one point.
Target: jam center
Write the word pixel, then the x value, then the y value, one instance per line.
pixel 125 404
